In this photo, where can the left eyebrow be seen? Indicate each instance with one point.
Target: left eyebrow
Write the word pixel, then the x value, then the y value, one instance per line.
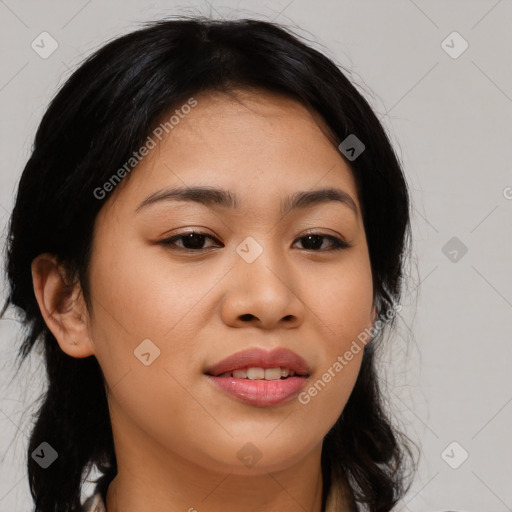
pixel 213 196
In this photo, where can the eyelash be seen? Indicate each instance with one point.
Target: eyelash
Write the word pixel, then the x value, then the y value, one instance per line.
pixel 338 243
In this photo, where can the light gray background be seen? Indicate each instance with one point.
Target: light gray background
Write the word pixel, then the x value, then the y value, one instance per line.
pixel 449 119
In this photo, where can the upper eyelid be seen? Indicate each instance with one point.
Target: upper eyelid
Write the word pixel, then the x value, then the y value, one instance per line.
pixel 334 238
pixel 204 233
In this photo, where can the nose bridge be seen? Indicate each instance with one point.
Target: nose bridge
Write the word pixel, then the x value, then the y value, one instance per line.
pixel 261 260
pixel 260 285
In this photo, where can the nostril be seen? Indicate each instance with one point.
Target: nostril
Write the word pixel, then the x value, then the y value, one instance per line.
pixel 247 316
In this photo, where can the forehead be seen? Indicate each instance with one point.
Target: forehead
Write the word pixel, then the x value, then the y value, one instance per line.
pixel 255 143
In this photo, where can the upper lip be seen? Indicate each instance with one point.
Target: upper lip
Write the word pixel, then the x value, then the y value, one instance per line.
pixel 259 358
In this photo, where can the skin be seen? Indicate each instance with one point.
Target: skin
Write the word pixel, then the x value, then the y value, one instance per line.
pixel 176 436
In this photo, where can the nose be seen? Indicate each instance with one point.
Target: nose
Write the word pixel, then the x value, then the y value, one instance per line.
pixel 263 293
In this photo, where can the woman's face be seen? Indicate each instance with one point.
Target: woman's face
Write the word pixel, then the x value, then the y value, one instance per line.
pixel 163 315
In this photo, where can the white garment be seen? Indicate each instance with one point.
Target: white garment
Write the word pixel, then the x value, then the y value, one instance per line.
pixel 94 503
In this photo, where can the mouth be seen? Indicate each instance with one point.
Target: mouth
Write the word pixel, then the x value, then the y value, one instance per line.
pixel 261 364
pixel 260 378
pixel 258 373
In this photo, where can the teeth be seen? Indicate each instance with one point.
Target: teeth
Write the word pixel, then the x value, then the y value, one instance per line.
pixel 254 373
pixel 272 373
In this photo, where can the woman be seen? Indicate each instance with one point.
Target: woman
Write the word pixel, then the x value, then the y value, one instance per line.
pixel 208 240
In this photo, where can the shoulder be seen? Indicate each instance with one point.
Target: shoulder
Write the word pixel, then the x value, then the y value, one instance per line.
pixel 94 503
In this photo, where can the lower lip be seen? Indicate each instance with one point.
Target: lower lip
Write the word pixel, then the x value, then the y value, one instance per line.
pixel 261 393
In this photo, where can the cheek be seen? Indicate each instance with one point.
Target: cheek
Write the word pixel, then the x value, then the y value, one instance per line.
pixel 343 304
pixel 144 313
pixel 342 299
pixel 148 312
pixel 147 296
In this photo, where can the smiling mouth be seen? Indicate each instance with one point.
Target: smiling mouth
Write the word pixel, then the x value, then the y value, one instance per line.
pixel 260 387
pixel 257 373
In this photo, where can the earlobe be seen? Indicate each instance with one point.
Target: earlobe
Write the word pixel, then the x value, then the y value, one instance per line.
pixel 61 306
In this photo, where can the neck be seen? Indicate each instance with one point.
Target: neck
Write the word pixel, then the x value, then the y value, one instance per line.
pixel 151 476
pixel 286 491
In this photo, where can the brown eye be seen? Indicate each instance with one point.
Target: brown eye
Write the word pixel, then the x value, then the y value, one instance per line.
pixel 192 241
pixel 314 241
